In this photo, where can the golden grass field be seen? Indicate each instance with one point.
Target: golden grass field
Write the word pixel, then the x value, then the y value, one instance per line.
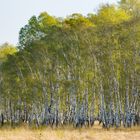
pixel 94 133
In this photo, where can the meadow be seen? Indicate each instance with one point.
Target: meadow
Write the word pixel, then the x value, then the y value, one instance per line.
pixel 69 133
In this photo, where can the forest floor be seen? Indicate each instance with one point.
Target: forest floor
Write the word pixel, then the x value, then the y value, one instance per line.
pixel 94 133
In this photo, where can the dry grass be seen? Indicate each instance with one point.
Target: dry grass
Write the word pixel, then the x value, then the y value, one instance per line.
pixel 94 133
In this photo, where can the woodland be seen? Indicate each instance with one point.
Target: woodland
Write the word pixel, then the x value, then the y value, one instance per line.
pixel 74 70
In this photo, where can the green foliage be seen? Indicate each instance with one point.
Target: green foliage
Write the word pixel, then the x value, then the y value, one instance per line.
pixel 109 14
pixel 5 50
pixel 132 7
pixel 77 20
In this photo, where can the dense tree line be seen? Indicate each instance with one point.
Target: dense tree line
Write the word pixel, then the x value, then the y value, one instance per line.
pixel 74 71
